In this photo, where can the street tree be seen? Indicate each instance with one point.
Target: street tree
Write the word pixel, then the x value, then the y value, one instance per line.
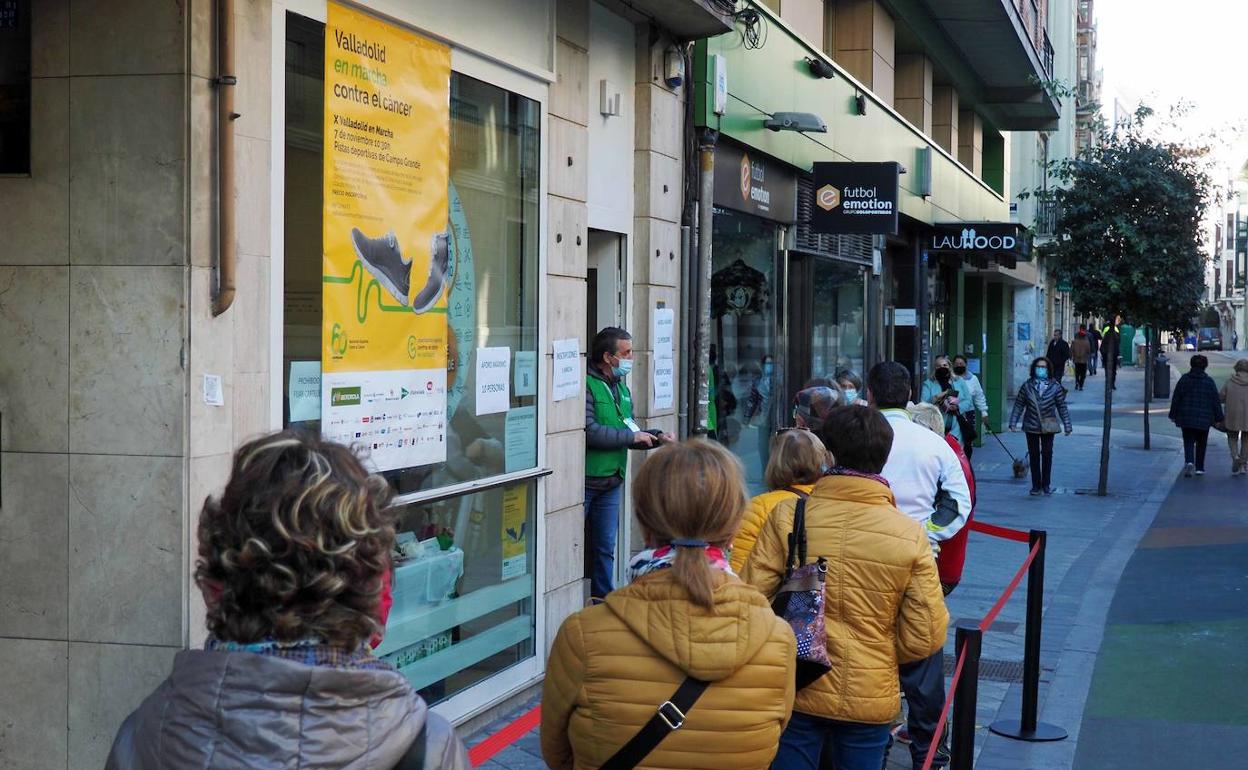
pixel 1129 236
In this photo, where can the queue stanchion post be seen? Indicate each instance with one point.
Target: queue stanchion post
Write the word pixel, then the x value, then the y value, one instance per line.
pixel 1028 727
pixel 968 641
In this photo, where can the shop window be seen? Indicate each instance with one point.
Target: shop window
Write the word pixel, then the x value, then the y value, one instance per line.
pixel 744 302
pixel 464 583
pixel 837 318
pixel 15 86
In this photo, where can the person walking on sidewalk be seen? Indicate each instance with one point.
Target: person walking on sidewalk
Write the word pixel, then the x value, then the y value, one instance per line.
pixel 977 405
pixel 1235 396
pixel 796 461
pixel 294 563
pixel 884 605
pixel 1058 354
pixel 610 432
pixel 931 488
pixel 1094 337
pixel 948 393
pixel 1195 407
pixel 1081 353
pixel 684 620
pixel 1041 408
pixel 1111 341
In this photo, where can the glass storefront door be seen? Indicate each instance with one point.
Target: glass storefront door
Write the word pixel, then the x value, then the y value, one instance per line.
pixel 746 293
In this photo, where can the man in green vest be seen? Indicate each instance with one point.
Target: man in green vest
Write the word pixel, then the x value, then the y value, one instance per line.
pixel 610 432
pixel 1111 339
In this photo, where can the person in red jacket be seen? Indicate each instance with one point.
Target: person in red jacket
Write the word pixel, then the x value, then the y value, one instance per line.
pixel 952 556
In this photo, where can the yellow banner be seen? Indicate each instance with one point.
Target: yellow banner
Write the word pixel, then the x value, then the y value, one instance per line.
pixel 386 260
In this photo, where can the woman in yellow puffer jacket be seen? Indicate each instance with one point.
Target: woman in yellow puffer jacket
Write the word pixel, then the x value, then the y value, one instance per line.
pixel 884 603
pixel 797 459
pixel 684 614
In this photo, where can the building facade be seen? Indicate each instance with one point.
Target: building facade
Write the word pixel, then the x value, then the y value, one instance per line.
pixel 551 171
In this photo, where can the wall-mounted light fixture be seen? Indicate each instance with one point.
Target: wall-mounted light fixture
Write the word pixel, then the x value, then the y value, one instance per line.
pixel 805 122
pixel 820 68
pixel 860 104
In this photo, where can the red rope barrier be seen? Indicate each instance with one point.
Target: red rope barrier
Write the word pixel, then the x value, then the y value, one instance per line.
pixel 1005 533
pixel 987 622
pixel 944 712
pixel 485 750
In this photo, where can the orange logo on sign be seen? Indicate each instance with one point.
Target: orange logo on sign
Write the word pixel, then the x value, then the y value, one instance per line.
pixel 828 197
pixel 745 177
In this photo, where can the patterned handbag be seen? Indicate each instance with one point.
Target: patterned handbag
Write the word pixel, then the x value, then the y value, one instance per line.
pixel 800 601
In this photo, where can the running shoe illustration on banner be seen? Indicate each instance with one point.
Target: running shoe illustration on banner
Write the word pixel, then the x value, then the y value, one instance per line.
pixel 385 261
pixel 429 295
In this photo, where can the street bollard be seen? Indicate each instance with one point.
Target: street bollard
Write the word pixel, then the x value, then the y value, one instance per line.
pixel 1027 728
pixel 965 700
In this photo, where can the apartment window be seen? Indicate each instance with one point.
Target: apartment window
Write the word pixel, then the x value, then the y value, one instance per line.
pixel 1230 231
pixel 15 86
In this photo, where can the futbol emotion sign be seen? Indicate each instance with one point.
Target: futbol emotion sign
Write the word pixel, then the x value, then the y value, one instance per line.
pixel 855 198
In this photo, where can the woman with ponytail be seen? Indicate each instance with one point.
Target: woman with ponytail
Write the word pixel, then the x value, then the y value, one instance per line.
pixel 684 616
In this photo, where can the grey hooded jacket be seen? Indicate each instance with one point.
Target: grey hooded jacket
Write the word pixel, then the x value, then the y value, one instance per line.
pixel 221 710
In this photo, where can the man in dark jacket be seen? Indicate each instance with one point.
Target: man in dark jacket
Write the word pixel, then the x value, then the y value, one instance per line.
pixel 610 432
pixel 1094 337
pixel 1195 407
pixel 1058 354
pixel 1111 338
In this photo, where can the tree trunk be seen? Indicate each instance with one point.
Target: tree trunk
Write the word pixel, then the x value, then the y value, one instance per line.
pixel 1111 371
pixel 1148 385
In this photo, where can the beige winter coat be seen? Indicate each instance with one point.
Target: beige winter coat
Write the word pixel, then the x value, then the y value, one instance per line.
pixel 1235 396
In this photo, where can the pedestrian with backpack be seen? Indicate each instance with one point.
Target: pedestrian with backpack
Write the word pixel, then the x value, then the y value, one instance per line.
pixel 686 666
pixel 293 564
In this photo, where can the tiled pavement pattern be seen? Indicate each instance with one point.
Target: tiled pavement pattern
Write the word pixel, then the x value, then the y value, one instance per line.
pixel 1167 690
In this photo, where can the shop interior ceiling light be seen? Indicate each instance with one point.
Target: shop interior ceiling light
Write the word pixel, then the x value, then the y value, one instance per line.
pixel 805 122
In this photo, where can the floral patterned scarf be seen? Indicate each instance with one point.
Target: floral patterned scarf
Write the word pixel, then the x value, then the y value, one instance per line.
pixel 663 557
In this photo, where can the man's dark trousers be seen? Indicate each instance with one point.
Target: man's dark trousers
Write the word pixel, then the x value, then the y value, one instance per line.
pixel 923 683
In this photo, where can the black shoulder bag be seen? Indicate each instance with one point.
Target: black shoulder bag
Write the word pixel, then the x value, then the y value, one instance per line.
pixel 669 718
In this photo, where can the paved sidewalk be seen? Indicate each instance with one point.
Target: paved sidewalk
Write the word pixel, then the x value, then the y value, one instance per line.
pixel 1091 540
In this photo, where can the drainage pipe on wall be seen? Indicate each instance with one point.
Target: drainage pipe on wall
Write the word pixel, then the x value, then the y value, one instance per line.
pixel 686 291
pixel 702 341
pixel 226 81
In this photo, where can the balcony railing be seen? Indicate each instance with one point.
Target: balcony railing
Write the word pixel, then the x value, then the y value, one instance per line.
pixel 1048 55
pixel 1047 214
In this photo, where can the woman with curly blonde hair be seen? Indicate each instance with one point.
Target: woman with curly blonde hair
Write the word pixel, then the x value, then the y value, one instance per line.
pixel 294 565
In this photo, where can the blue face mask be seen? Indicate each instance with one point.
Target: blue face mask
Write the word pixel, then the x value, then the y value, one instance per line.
pixel 768 369
pixel 851 396
pixel 1042 373
pixel 625 366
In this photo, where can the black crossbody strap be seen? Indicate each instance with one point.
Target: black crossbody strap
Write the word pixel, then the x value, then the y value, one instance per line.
pixel 669 718
pixel 797 538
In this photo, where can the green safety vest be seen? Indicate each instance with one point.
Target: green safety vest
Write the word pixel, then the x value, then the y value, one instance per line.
pixel 611 413
pixel 712 408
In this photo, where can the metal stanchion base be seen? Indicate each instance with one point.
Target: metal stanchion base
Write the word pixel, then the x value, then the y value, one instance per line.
pixel 1013 728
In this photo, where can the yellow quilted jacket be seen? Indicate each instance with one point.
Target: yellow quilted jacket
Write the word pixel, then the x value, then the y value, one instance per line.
pixel 614 663
pixel 884 603
pixel 755 517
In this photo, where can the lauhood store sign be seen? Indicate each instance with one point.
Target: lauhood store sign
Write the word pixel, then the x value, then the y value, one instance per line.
pixel 982 239
pixel 754 184
pixel 855 198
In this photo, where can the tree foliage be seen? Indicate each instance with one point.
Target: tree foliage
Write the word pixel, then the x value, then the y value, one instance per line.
pixel 1130 230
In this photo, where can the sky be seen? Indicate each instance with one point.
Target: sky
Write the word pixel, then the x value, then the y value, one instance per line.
pixel 1164 51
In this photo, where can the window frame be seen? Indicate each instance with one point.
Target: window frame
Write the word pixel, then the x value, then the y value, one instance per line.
pixel 509 682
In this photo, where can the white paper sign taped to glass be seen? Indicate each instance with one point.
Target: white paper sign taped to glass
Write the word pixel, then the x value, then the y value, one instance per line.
pixel 493 380
pixel 525 373
pixel 663 388
pixel 663 331
pixel 520 441
pixel 566 382
pixel 304 391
